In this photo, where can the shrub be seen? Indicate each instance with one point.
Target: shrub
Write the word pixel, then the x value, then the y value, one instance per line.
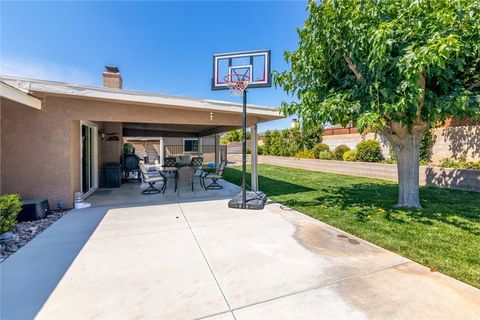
pixel 325 155
pixel 350 155
pixel 319 147
pixel 260 149
pixel 128 148
pixel 461 163
pixel 369 151
pixel 249 151
pixel 339 151
pixel 289 142
pixel 306 154
pixel 10 206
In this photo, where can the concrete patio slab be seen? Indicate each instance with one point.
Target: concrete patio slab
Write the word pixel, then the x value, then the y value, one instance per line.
pixel 223 316
pixel 263 257
pixel 148 219
pixel 159 275
pixel 201 260
pixel 407 291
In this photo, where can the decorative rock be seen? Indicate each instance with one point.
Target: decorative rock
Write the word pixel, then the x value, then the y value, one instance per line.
pixel 6 236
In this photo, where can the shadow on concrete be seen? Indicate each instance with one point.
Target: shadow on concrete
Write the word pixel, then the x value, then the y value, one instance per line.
pixel 31 274
pixel 460 209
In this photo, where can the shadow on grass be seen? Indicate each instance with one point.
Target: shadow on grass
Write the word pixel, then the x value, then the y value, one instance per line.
pixel 272 187
pixel 456 208
pixel 460 209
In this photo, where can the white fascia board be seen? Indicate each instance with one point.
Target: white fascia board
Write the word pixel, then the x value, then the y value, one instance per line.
pixel 19 95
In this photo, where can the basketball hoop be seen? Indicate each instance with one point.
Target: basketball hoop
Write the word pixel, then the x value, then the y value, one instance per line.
pixel 237 83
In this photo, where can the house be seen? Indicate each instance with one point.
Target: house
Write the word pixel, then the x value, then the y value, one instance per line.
pixel 55 137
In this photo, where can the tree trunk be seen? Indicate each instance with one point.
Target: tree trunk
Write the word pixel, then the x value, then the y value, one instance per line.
pixel 406 144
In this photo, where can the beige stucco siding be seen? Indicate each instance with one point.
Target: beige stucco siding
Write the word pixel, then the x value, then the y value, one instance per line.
pixel 93 110
pixel 36 152
pixel 110 151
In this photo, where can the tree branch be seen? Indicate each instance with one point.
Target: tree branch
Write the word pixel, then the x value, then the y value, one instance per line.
pixel 475 85
pixel 352 67
pixel 421 98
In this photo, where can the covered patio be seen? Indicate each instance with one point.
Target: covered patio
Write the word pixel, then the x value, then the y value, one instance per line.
pixel 131 194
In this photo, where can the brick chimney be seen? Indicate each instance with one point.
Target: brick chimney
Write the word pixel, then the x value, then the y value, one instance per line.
pixel 112 78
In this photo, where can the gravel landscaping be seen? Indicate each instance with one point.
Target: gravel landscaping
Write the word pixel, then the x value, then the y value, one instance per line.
pixel 23 232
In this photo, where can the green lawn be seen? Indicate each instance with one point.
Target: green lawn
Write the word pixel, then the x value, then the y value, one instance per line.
pixel 444 235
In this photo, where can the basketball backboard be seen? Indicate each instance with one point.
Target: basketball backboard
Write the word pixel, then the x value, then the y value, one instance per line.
pixel 253 64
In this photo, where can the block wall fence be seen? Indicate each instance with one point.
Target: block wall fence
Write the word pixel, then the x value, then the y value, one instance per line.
pixel 462 179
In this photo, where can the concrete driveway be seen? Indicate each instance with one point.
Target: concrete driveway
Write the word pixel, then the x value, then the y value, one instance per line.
pixel 201 260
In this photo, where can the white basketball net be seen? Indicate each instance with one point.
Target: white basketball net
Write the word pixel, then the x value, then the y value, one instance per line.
pixel 237 83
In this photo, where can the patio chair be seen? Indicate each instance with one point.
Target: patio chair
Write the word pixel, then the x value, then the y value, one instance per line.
pixel 130 165
pixel 214 185
pixel 184 174
pixel 151 179
pixel 170 162
pixel 196 163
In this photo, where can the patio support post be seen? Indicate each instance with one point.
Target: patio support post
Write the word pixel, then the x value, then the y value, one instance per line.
pixel 217 149
pixel 162 150
pixel 244 151
pixel 254 157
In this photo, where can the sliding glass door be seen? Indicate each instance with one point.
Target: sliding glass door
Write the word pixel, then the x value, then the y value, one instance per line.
pixel 89 163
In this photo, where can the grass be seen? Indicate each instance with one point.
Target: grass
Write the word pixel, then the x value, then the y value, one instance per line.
pixel 444 235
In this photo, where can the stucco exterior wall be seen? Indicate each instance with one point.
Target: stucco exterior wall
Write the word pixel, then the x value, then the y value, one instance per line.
pixel 110 150
pixel 40 149
pixel 37 150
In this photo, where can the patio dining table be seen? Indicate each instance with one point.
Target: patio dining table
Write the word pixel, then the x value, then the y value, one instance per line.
pixel 165 171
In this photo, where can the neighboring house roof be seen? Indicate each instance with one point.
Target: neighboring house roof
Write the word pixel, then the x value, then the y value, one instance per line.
pixel 45 87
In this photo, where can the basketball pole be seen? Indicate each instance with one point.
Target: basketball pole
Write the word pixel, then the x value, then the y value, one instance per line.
pixel 244 151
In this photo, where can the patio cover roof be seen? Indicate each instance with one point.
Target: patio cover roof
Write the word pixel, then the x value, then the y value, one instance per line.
pixel 42 88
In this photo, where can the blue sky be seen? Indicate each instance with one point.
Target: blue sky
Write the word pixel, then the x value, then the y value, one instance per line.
pixel 163 47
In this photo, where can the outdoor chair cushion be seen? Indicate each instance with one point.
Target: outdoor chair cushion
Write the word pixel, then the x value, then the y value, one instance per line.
pixel 154 179
pixel 150 176
pixel 214 176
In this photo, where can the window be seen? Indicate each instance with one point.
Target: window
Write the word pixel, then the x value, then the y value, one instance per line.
pixel 190 145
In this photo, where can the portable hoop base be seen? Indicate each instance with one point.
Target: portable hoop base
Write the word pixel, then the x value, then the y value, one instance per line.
pixel 254 201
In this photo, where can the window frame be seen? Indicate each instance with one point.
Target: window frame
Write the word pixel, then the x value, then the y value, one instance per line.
pixel 193 145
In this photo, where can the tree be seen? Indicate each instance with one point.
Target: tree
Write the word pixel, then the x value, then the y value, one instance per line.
pixel 234 136
pixel 311 135
pixel 390 66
